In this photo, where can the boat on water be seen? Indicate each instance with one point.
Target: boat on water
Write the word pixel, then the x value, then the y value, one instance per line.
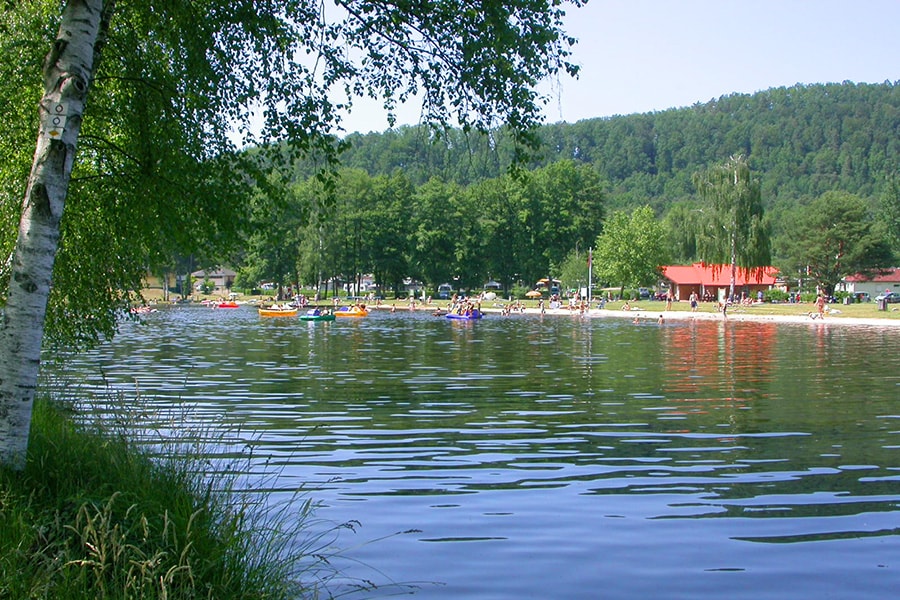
pixel 316 315
pixel 351 311
pixel 466 316
pixel 142 310
pixel 227 304
pixel 277 311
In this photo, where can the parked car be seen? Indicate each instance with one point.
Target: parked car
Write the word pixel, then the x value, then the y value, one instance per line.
pixel 889 297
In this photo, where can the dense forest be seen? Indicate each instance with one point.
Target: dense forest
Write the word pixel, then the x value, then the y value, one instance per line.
pixel 413 202
pixel 802 141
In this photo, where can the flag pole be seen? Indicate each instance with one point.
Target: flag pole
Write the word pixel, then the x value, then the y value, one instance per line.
pixel 590 270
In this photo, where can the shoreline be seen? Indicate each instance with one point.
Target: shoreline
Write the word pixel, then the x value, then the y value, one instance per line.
pixel 735 314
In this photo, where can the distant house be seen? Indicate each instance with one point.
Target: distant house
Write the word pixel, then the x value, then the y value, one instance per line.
pixel 221 278
pixel 889 280
pixel 714 281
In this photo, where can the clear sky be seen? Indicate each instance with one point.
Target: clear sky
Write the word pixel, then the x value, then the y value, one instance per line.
pixel 644 55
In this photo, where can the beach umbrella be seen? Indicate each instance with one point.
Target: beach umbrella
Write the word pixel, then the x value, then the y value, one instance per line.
pixel 533 294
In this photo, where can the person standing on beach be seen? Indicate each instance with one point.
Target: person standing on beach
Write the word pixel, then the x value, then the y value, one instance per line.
pixel 694 300
pixel 820 305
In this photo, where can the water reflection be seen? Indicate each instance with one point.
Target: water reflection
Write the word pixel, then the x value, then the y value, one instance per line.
pixel 554 456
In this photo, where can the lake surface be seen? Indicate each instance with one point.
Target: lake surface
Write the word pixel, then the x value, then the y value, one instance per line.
pixel 556 456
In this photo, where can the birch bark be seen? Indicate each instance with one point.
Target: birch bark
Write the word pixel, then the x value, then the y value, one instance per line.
pixel 67 72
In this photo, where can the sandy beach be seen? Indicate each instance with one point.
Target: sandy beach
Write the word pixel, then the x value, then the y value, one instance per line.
pixel 644 314
pixel 737 315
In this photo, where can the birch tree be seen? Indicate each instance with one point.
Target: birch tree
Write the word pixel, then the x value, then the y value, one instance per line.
pixel 158 173
pixel 68 70
pixel 731 228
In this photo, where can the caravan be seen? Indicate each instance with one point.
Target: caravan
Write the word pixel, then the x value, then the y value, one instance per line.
pixel 445 290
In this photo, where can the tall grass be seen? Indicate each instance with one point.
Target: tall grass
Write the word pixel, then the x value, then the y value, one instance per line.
pixel 92 517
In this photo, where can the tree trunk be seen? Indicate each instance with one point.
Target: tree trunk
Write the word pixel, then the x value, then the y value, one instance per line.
pixel 68 71
pixel 733 264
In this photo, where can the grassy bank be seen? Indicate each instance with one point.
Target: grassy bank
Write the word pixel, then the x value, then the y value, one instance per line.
pixel 93 518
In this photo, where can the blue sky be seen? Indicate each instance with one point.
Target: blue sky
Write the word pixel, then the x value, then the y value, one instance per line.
pixel 644 55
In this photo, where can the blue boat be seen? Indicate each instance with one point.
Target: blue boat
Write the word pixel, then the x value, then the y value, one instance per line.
pixel 475 314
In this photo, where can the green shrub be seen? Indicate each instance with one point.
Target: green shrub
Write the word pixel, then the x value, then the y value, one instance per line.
pixel 775 295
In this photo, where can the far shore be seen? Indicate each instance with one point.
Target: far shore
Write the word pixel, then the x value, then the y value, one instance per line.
pixel 653 311
pixel 864 314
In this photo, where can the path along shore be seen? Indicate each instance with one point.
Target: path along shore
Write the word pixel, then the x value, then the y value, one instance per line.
pixel 643 314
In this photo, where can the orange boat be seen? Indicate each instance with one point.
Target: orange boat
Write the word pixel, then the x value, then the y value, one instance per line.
pixel 351 311
pixel 228 305
pixel 277 311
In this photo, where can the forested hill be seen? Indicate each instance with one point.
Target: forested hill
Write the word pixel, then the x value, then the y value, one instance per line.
pixel 801 141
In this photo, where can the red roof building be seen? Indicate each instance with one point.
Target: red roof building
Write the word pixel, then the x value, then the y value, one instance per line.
pixel 712 282
pixel 887 281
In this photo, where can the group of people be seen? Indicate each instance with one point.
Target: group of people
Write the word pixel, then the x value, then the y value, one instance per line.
pixel 519 307
pixel 464 306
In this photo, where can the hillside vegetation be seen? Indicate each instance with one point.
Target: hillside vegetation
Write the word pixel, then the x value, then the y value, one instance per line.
pixel 801 141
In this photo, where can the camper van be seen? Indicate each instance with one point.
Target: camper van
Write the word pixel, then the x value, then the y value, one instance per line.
pixel 445 290
pixel 554 285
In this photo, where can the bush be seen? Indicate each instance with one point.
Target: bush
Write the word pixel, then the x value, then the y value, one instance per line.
pixel 775 295
pixel 808 297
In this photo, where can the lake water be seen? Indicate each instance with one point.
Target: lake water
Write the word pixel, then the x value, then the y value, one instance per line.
pixel 553 457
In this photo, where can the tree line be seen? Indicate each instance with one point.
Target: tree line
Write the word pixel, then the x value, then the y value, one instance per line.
pixel 520 227
pixel 825 149
pixel 516 227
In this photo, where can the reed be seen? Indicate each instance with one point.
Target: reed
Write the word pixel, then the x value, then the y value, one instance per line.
pixel 94 516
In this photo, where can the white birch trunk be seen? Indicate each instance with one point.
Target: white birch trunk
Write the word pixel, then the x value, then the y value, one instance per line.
pixel 68 71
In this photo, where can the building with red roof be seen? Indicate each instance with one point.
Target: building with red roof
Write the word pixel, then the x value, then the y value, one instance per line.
pixel 712 282
pixel 886 281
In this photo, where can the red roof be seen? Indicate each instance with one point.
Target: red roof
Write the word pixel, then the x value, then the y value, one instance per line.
pixel 718 275
pixel 889 276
